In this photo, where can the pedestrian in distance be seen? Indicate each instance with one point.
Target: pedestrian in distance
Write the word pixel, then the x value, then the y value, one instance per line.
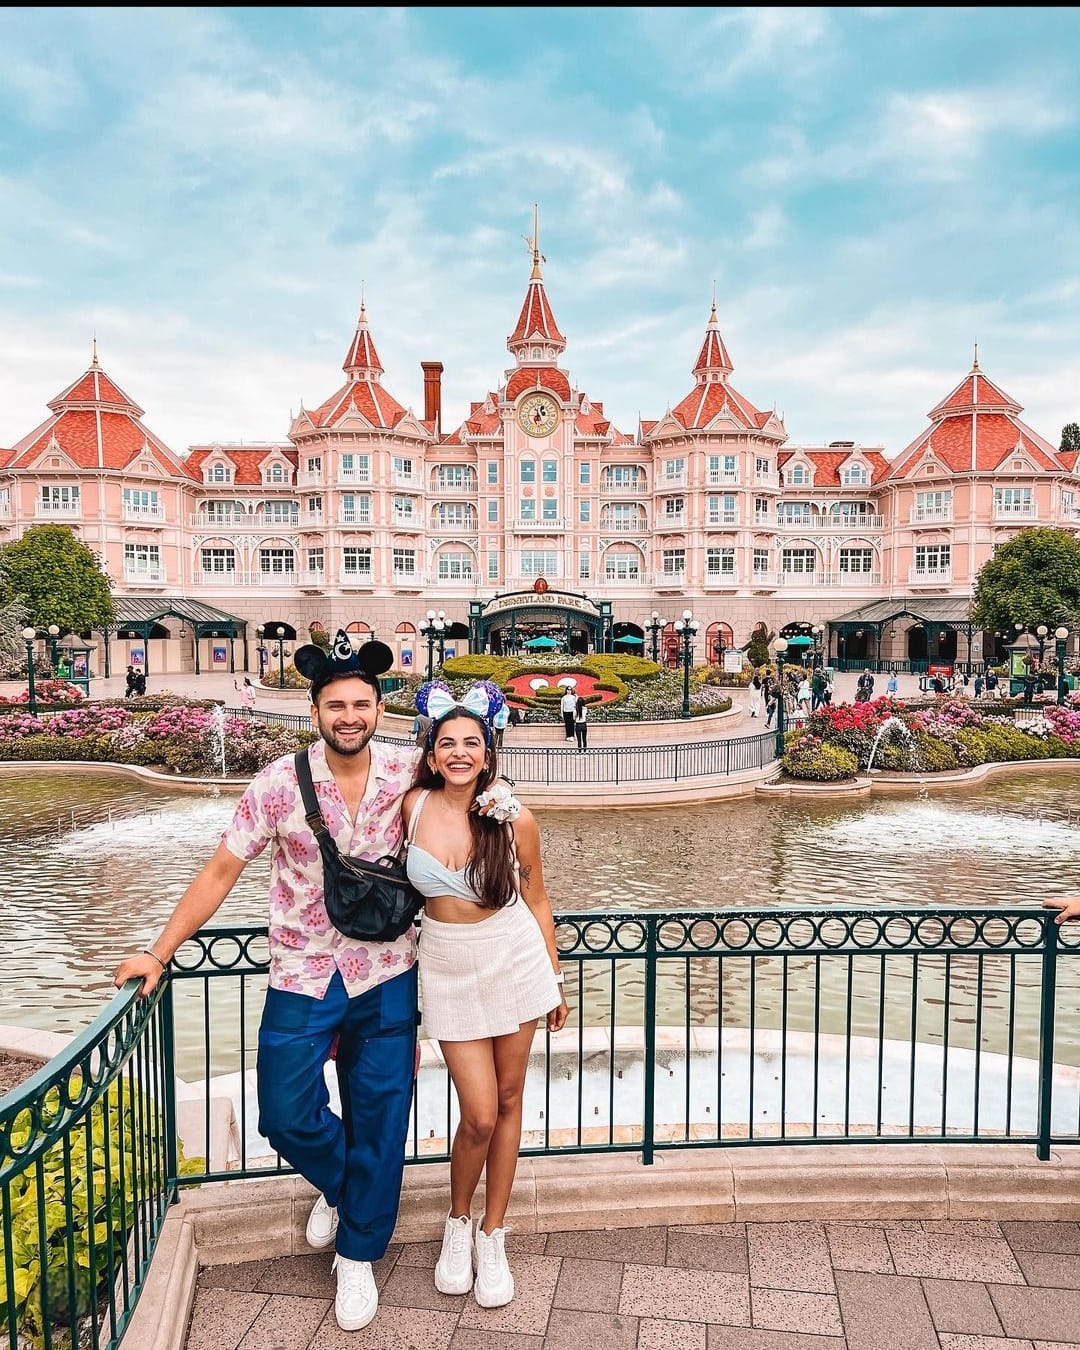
pixel 817 690
pixel 129 682
pixel 581 725
pixel 489 970
pixel 567 704
pixel 756 706
pixel 140 683
pixel 892 686
pixel 326 988
pixel 499 722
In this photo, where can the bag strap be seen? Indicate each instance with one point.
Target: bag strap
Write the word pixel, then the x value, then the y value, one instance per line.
pixel 418 806
pixel 312 813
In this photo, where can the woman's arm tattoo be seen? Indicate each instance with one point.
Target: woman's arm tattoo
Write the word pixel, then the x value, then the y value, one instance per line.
pixel 525 873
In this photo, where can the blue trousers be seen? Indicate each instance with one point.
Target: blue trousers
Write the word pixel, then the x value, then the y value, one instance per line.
pixel 355 1161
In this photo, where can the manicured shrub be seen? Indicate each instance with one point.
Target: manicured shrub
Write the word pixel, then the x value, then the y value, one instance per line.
pixel 819 762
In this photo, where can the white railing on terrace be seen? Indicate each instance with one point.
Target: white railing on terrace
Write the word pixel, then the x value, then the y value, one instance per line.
pixel 312 578
pixel 316 519
pixel 144 576
pixel 205 577
pixel 53 510
pixel 623 526
pixel 409 522
pixel 941 575
pixel 672 520
pixel 855 578
pixel 405 480
pixel 353 578
pixel 727 580
pixel 353 476
pixel 353 517
pixel 454 489
pixel 1025 511
pixel 533 526
pixel 260 578
pixel 141 513
pixel 921 514
pixel 802 578
pixel 635 489
pixel 722 518
pixel 722 476
pixel 771 480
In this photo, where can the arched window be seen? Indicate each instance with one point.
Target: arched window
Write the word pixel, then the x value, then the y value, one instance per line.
pixel 719 638
pixel 407 628
pixel 219 473
pixel 796 475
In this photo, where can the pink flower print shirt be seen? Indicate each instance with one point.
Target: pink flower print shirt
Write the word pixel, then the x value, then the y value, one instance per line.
pixel 305 948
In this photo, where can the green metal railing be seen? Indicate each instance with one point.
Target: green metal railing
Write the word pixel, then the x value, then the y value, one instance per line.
pixel 609 764
pixel 88 1166
pixel 688 1029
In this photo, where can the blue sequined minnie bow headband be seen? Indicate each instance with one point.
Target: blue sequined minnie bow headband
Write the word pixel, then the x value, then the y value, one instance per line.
pixel 483 700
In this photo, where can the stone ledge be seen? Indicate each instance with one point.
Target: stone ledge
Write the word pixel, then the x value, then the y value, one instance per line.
pixel 227 1222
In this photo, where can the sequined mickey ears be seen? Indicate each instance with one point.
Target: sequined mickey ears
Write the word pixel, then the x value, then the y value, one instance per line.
pixel 372 658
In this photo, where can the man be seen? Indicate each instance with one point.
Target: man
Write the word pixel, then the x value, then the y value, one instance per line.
pixel 817 690
pixel 567 704
pixel 129 682
pixel 324 986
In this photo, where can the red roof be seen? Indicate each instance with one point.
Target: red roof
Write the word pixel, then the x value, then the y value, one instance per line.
pixel 537 377
pixel 247 461
pixel 96 426
pixel 536 319
pixel 829 464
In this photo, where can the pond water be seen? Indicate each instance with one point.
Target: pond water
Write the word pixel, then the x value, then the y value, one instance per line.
pixel 95 864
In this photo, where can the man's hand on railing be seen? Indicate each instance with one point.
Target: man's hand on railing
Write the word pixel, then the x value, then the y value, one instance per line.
pixel 146 967
pixel 1070 908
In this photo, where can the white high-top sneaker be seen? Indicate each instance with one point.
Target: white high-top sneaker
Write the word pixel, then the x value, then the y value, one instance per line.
pixel 453 1271
pixel 321 1225
pixel 494 1283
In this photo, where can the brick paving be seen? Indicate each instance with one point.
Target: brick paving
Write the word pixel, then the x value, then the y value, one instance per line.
pixel 901 1284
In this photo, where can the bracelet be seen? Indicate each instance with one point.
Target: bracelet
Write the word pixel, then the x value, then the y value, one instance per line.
pixel 163 964
pixel 560 977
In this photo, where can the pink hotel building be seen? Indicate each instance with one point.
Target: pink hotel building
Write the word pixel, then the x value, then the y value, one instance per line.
pixel 536 514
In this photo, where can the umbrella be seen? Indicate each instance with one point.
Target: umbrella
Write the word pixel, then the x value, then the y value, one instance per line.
pixel 541 642
pixel 629 637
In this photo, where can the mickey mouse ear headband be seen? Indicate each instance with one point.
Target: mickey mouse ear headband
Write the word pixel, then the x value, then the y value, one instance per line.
pixel 371 659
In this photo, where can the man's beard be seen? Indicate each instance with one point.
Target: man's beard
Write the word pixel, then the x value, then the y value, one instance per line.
pixel 346 748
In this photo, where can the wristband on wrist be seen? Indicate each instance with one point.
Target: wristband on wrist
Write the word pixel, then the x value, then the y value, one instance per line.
pixel 560 977
pixel 163 964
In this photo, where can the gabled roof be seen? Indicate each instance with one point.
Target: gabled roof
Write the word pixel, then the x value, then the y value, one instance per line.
pixel 247 461
pixel 96 426
pixel 129 610
pixel 976 429
pixel 828 465
pixel 712 397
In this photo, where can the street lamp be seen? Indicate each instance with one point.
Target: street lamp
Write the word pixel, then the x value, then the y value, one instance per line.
pixel 1042 633
pixel 260 651
pixel 29 636
pixel 281 657
pixel 780 648
pixel 655 629
pixel 435 631
pixel 686 628
pixel 1060 637
pixel 818 631
pixel 54 635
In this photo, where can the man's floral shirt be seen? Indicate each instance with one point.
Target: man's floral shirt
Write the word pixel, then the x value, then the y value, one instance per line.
pixel 305 949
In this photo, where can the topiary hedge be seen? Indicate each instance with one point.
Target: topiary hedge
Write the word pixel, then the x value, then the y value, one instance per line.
pixel 819 762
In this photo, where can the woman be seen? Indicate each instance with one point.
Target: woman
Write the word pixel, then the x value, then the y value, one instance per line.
pixel 581 725
pixel 757 695
pixel 804 696
pixel 489 969
pixel 247 695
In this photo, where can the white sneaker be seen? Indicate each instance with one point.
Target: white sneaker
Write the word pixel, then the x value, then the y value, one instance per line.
pixel 321 1225
pixel 494 1283
pixel 357 1299
pixel 453 1271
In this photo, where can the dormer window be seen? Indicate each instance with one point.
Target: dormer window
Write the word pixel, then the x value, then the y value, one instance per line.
pixel 797 475
pixel 277 473
pixel 855 474
pixel 219 473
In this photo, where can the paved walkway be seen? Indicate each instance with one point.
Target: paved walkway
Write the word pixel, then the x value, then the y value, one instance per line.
pixel 890 1285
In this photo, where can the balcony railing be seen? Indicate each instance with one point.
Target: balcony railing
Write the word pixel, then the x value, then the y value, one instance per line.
pixel 144 576
pixel 209 577
pixel 313 520
pixel 719 476
pixel 58 510
pixel 312 580
pixel 769 480
pixel 622 489
pixel 466 526
pixel 356 578
pixel 624 526
pixel 351 516
pixel 538 526
pixel 718 518
pixel 922 515
pixel 468 489
pixel 354 476
pixel 1025 511
pixel 138 514
pixel 932 576
pixel 272 578
pixel 802 578
pixel 855 578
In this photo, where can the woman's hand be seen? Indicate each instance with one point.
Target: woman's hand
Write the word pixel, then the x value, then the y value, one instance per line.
pixel 556 1018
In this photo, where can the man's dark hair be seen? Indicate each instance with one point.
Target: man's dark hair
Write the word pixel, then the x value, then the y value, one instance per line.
pixel 320 682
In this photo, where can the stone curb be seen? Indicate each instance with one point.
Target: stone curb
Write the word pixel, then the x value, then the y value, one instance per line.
pixel 228 1222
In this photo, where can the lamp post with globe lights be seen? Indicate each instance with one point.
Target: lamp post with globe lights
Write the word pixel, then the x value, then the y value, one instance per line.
pixel 29 636
pixel 280 637
pixel 654 629
pixel 54 637
pixel 780 651
pixel 434 631
pixel 1061 636
pixel 687 628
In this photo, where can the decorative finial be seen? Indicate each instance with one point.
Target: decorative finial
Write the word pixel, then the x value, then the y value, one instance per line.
pixel 533 243
pixel 712 316
pixel 93 352
pixel 363 316
pixel 975 365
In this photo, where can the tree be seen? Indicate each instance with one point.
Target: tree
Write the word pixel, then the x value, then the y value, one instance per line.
pixel 1070 436
pixel 57 578
pixel 1033 579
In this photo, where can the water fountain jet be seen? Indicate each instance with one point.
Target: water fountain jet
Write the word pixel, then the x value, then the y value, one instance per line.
pixel 906 735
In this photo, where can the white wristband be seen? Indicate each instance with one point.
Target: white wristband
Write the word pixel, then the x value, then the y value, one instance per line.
pixel 560 977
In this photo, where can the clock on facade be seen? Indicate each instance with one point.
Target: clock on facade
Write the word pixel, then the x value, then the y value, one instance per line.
pixel 538 415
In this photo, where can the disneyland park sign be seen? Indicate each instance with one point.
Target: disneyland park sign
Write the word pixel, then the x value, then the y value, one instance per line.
pixel 537 598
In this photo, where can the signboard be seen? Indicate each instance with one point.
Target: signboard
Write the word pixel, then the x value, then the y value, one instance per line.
pixel 943 668
pixel 220 655
pixel 542 600
pixel 1019 663
pixel 449 653
pixel 406 657
pixel 733 662
pixel 136 657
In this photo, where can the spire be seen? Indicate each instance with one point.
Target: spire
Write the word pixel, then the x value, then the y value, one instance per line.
pixel 975 363
pixel 93 353
pixel 713 362
pixel 536 326
pixel 362 361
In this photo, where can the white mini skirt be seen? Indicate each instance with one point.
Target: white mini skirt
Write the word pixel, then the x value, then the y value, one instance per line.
pixel 484 979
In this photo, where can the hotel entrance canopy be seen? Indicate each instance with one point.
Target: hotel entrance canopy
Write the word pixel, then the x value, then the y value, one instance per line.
pixel 135 615
pixel 949 612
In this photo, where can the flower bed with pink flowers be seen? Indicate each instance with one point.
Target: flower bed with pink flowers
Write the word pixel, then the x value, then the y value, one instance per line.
pixel 836 742
pixel 179 737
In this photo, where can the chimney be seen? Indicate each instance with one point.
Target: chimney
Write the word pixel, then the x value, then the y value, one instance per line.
pixel 433 393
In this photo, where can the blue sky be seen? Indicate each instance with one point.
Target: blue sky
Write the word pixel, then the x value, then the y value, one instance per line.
pixel 871 190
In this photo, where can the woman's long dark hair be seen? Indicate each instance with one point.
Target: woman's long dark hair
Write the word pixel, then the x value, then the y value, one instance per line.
pixel 490 869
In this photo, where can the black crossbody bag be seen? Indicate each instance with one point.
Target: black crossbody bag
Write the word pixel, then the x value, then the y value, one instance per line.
pixel 373 900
